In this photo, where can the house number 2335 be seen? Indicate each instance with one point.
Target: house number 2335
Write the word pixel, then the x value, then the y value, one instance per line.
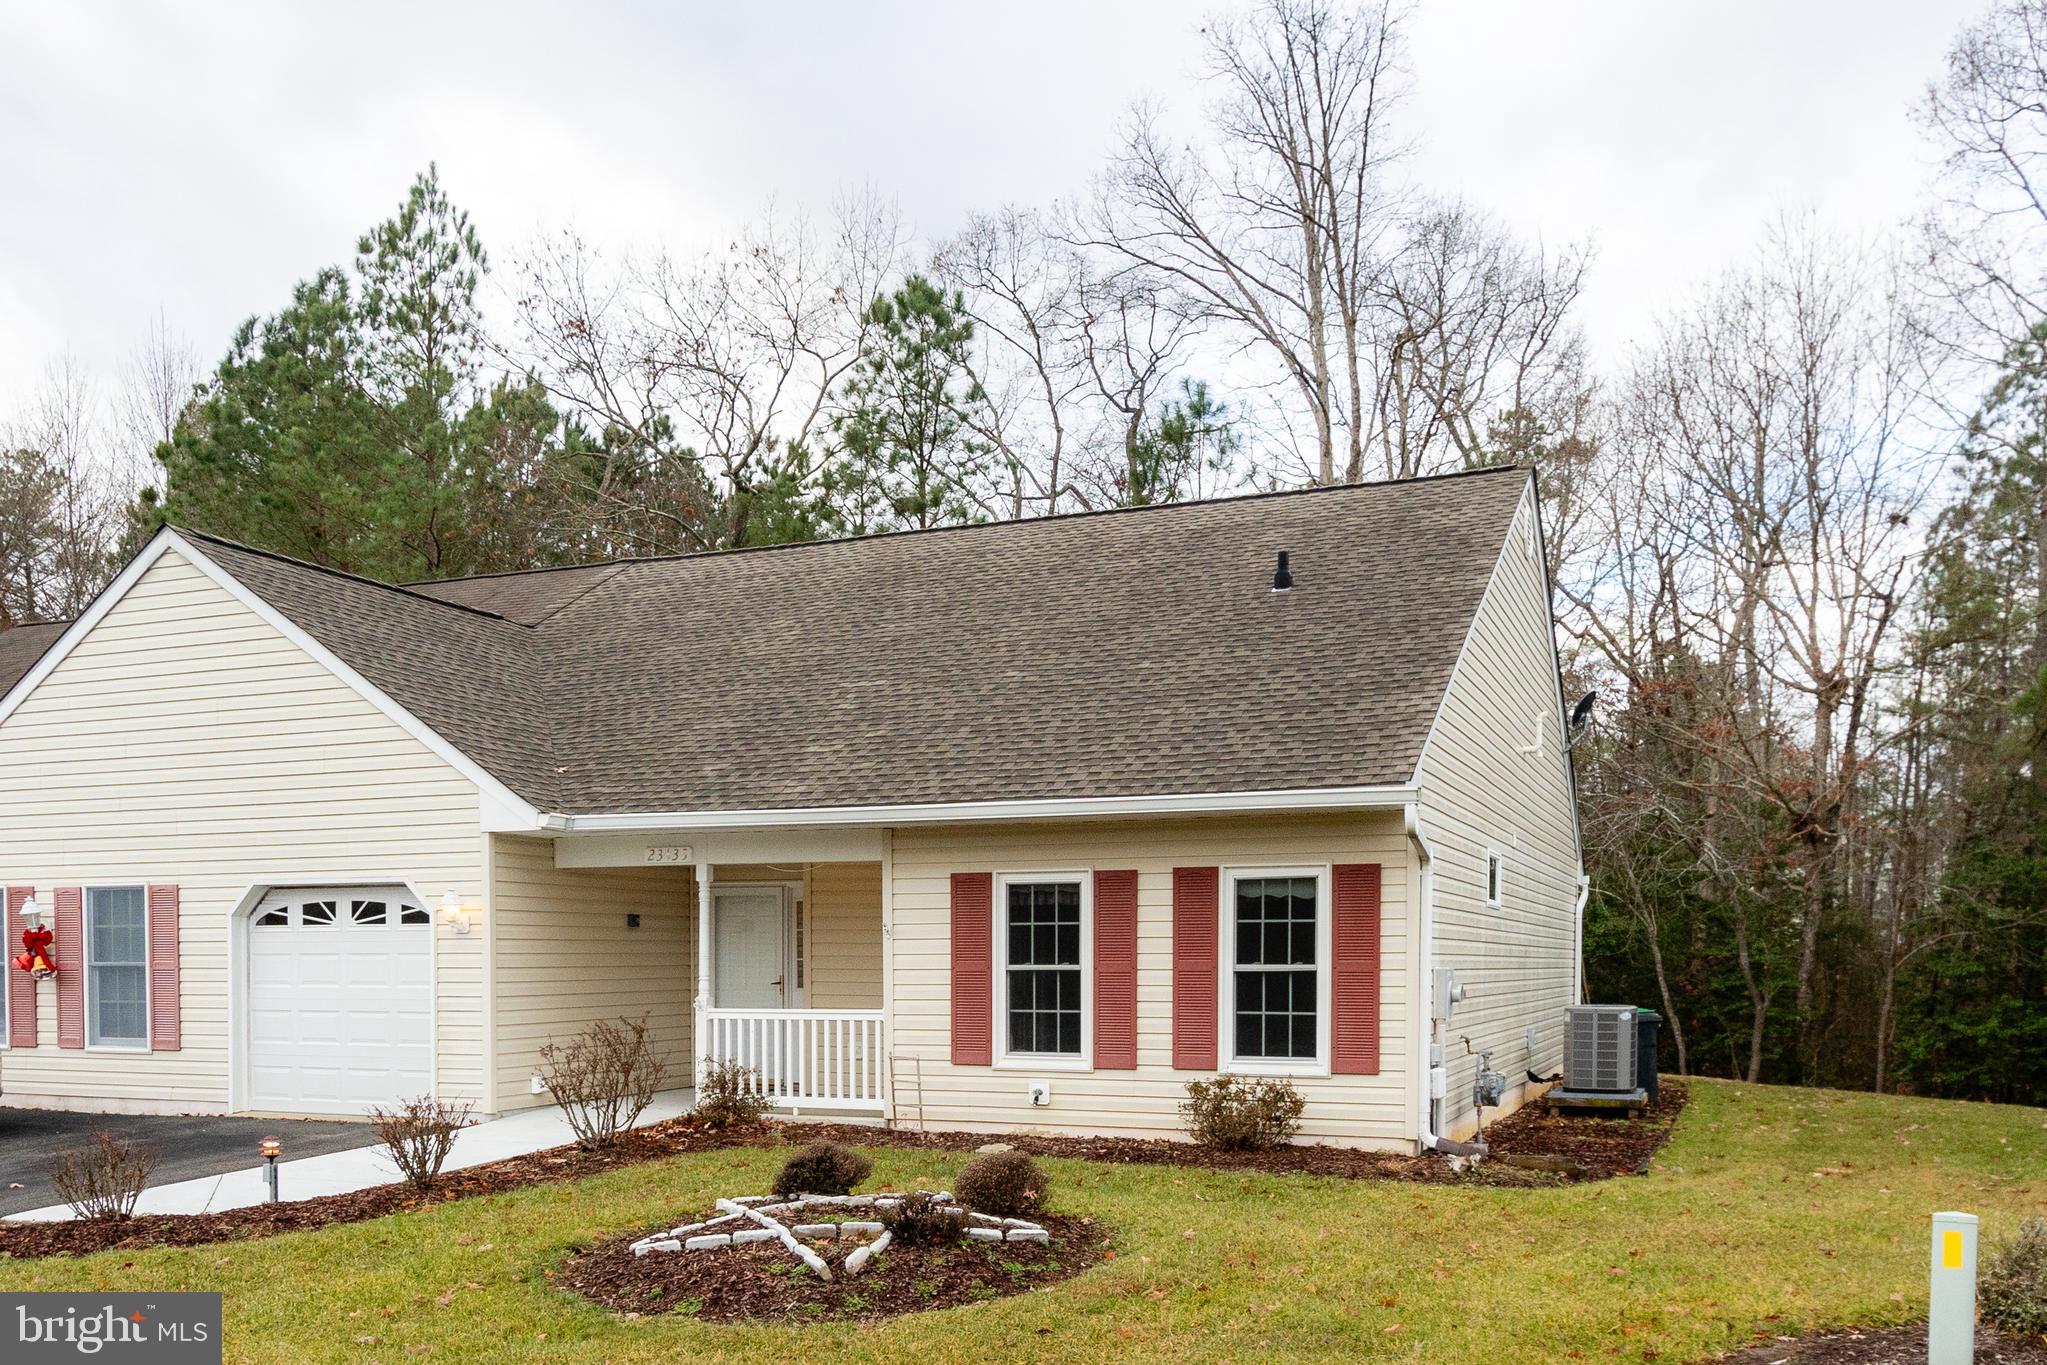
pixel 668 853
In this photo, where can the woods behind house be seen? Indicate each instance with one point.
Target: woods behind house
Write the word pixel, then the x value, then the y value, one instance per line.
pixel 1798 530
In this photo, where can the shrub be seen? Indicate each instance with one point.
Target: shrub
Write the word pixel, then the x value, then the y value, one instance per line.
pixel 604 1078
pixel 922 1219
pixel 2013 1285
pixel 822 1168
pixel 417 1134
pixel 1237 1114
pixel 105 1179
pixel 1006 1184
pixel 729 1096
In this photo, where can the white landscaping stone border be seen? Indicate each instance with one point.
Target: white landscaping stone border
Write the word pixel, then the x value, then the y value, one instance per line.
pixel 726 1230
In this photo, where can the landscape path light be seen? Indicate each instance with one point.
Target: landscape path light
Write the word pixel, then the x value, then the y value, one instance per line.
pixel 272 1149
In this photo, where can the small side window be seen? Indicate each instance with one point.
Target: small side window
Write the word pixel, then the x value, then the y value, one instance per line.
pixel 1494 874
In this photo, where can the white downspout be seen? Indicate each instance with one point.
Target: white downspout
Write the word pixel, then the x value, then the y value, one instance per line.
pixel 1578 939
pixel 701 1038
pixel 1426 1053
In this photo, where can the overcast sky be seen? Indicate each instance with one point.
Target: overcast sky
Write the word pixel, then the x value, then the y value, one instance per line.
pixel 196 159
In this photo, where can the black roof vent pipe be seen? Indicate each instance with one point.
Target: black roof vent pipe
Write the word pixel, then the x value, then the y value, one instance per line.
pixel 1282 578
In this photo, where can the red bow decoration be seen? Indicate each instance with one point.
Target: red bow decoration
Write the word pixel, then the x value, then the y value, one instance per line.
pixel 35 958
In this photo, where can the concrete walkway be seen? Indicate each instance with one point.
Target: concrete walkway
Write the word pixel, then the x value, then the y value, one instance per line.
pixel 529 1130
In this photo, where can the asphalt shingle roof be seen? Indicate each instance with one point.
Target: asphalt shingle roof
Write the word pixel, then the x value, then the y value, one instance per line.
pixel 21 646
pixel 1126 653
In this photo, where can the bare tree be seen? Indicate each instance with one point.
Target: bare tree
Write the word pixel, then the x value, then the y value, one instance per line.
pixel 1477 329
pixel 1135 345
pixel 705 379
pixel 1273 226
pixel 1022 288
pixel 158 383
pixel 1987 235
pixel 1750 561
pixel 62 506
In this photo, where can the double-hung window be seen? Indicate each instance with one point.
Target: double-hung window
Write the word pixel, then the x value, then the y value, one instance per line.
pixel 116 971
pixel 1275 983
pixel 1042 933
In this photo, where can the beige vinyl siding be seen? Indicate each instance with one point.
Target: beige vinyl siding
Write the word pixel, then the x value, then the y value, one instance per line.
pixel 844 946
pixel 1361 1110
pixel 186 740
pixel 565 957
pixel 1479 792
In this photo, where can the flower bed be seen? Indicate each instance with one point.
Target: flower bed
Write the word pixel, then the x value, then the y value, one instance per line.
pixel 1587 1148
pixel 731 1267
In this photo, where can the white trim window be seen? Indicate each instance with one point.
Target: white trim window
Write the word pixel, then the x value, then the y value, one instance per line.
pixel 1275 977
pixel 1495 878
pixel 116 967
pixel 1044 968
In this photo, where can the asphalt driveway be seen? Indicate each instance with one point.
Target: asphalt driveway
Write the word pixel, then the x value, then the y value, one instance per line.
pixel 186 1146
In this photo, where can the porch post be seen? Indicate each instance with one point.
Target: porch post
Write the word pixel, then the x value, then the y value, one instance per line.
pixel 701 1034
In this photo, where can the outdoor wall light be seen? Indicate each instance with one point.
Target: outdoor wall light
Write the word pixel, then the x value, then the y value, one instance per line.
pixel 36 956
pixel 453 913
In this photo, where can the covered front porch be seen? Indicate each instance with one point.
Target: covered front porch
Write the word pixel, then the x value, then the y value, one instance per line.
pixel 741 948
pixel 789 981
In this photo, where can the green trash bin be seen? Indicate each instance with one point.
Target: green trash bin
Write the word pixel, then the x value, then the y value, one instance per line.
pixel 1645 1050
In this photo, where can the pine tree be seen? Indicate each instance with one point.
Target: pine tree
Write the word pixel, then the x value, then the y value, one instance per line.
pixel 906 458
pixel 356 427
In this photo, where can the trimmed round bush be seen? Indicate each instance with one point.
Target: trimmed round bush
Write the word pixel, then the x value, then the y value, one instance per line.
pixel 921 1219
pixel 2013 1286
pixel 1006 1184
pixel 822 1168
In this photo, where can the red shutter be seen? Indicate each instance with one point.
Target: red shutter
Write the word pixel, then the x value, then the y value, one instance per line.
pixel 70 950
pixel 163 968
pixel 1196 896
pixel 1354 970
pixel 21 987
pixel 973 968
pixel 1116 971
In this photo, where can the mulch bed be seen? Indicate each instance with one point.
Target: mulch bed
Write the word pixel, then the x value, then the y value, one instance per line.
pixel 1585 1149
pixel 764 1283
pixel 1560 1148
pixel 79 1238
pixel 1887 1346
pixel 1597 1147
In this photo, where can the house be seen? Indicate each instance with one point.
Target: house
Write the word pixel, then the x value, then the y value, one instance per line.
pixel 1022 825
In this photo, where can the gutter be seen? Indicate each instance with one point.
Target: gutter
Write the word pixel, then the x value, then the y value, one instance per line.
pixel 1429 1047
pixel 955 812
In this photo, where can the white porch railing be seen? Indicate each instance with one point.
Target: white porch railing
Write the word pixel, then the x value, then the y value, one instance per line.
pixel 824 1058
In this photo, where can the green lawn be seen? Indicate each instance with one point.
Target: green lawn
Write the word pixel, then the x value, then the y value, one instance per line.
pixel 1775 1209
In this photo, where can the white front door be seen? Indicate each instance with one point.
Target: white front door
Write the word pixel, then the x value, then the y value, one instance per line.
pixel 340 1013
pixel 750 945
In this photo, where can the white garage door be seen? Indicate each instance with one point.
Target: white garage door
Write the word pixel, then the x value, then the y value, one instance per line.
pixel 340 1000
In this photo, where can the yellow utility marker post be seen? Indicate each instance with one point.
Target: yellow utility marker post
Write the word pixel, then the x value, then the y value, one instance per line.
pixel 1951 1302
